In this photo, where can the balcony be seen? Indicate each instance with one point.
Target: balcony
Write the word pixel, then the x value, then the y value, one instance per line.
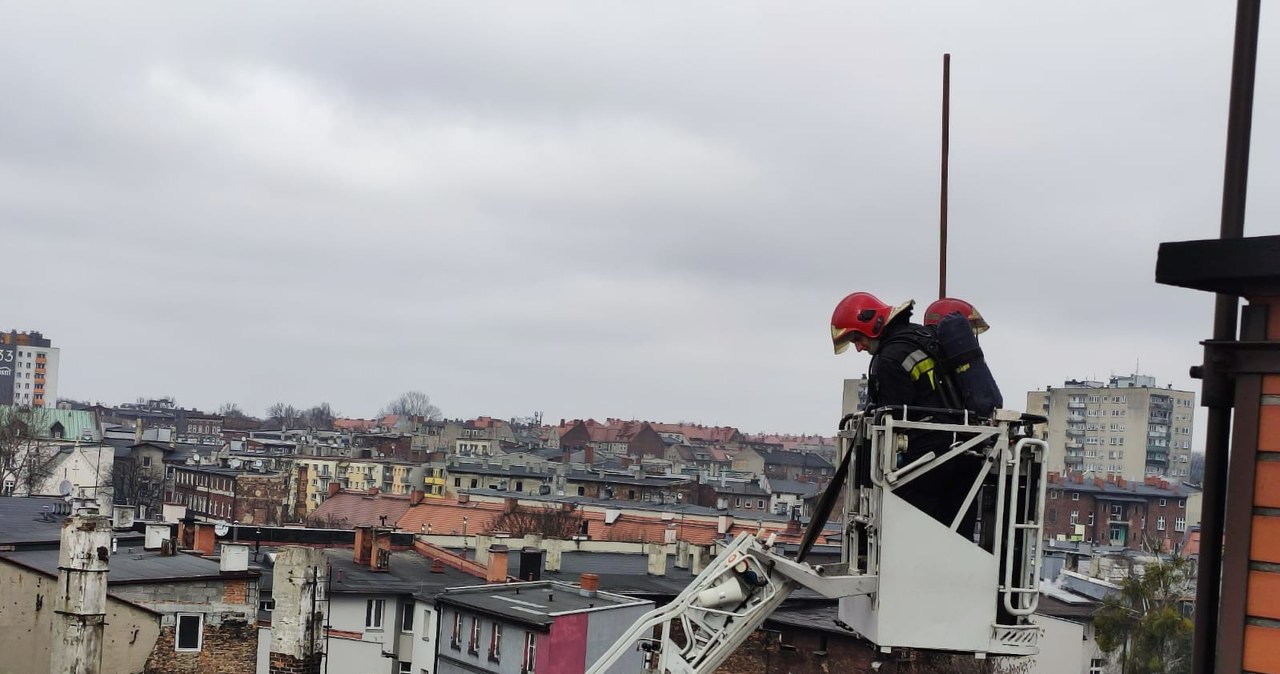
pixel 1074 445
pixel 1075 431
pixel 1158 433
pixel 1074 459
pixel 1075 419
pixel 1075 404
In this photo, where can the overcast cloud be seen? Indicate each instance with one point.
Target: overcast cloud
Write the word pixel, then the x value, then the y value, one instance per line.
pixel 639 210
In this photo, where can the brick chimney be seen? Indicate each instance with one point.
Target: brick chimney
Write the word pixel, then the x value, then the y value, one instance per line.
pixel 589 455
pixel 415 497
pixel 496 571
pixel 510 504
pixel 334 488
pixel 589 585
pixel 372 491
pixel 205 540
pixel 363 549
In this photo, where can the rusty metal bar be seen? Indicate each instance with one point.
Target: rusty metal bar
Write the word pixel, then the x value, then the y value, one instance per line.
pixel 1235 183
pixel 946 153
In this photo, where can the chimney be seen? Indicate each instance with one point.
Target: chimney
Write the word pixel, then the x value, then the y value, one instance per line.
pixel 496 571
pixel 334 488
pixel 589 455
pixel 437 566
pixel 510 504
pixel 235 557
pixel 363 548
pixel 463 497
pixel 137 431
pixel 589 584
pixel 657 559
pixel 415 497
pixel 297 629
pixel 156 535
pixel 372 491
pixel 205 541
pixel 78 626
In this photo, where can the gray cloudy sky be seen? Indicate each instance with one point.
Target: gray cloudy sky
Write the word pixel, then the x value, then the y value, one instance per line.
pixel 640 210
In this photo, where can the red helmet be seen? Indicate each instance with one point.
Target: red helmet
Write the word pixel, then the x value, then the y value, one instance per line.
pixel 859 313
pixel 950 305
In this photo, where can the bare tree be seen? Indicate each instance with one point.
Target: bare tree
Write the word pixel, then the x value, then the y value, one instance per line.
pixel 549 521
pixel 26 456
pixel 137 485
pixel 231 410
pixel 319 417
pixel 412 404
pixel 285 416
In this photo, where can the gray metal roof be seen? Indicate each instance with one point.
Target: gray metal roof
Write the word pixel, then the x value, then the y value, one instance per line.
pixel 409 573
pixel 133 565
pixel 31 522
pixel 537 603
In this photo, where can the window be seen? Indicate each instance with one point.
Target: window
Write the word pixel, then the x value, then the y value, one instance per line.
pixel 406 618
pixel 1182 502
pixel 457 482
pixel 473 645
pixel 1160 523
pixel 1053 494
pixel 405 667
pixel 267 605
pixel 474 483
pixel 426 624
pixel 1097 666
pixel 519 485
pixel 373 610
pixel 760 503
pixel 189 635
pixel 1163 503
pixel 146 462
pixel 530 652
pixel 1075 517
pixel 1075 496
pixel 1180 524
pixel 455 641
pixel 495 642
pixel 1090 519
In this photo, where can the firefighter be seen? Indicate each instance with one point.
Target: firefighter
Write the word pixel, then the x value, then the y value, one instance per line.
pixel 903 372
pixel 950 305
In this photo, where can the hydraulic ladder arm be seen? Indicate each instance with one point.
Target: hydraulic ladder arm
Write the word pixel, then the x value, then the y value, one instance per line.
pixel 724 605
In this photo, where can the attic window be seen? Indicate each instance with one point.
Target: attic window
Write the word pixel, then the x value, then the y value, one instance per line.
pixel 57 430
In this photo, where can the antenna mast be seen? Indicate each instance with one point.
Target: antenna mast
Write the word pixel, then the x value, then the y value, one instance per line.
pixel 946 142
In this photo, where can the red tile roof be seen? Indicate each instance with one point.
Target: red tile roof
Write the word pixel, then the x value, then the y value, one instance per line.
pixel 445 516
pixel 355 509
pixel 357 425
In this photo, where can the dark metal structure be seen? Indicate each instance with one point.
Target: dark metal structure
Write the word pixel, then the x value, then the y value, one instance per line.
pixel 1240 373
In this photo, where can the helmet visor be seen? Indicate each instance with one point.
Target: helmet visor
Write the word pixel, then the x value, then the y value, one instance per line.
pixel 841 338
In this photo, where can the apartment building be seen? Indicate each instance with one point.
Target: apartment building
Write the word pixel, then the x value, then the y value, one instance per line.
pixel 28 369
pixel 1127 426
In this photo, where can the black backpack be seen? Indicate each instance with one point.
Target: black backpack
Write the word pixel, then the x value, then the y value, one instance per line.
pixel 964 380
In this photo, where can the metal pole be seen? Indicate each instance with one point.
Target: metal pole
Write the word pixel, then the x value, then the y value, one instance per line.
pixel 1218 427
pixel 946 151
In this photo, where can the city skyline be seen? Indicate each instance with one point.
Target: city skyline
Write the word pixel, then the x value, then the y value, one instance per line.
pixel 625 211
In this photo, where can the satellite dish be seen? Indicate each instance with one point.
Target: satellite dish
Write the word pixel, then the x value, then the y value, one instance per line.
pixel 221 528
pixel 235 463
pixel 64 487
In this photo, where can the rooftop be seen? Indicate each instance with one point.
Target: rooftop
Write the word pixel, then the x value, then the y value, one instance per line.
pixel 34 522
pixel 537 603
pixel 133 565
